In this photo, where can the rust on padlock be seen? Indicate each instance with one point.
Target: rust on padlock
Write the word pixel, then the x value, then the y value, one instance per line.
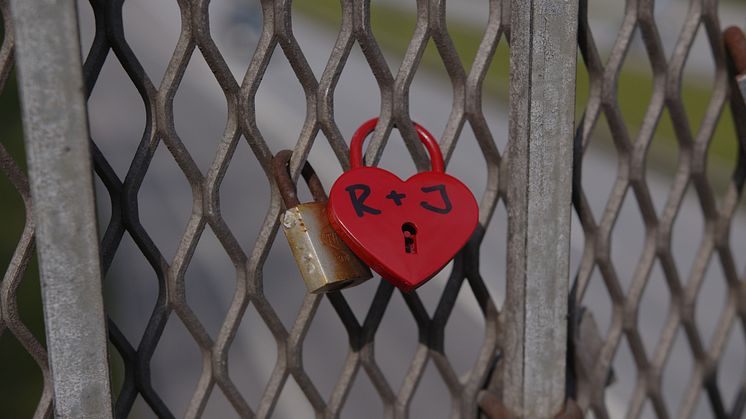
pixel 493 408
pixel 325 262
pixel 735 44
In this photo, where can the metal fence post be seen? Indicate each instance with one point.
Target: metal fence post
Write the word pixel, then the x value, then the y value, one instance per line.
pixel 56 131
pixel 542 94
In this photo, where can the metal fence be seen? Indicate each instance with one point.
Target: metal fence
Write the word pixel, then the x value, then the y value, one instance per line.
pixel 520 358
pixel 716 244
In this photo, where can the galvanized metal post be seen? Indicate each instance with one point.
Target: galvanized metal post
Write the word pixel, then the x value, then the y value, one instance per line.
pixel 542 109
pixel 56 130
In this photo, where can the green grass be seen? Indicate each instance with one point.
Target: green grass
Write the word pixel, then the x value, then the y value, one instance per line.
pixel 393 28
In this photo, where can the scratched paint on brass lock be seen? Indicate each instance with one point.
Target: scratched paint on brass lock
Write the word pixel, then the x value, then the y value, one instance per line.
pixel 407 231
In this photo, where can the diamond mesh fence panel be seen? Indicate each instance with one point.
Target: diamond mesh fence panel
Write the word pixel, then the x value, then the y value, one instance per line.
pixel 208 314
pixel 266 297
pixel 23 357
pixel 662 259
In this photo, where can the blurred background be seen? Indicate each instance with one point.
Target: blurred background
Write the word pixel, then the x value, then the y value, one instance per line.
pixel 117 121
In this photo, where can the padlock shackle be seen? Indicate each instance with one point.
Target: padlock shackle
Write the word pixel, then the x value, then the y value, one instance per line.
pixel 285 184
pixel 356 145
pixel 735 43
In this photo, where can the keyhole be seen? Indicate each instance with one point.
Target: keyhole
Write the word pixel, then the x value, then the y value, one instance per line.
pixel 410 233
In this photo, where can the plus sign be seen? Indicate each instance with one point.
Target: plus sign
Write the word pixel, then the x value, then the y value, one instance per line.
pixel 396 197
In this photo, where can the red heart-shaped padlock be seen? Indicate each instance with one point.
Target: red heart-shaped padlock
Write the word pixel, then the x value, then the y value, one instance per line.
pixel 407 231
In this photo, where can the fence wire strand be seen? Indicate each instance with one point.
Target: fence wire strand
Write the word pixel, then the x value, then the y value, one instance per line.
pixel 632 153
pixel 277 37
pixel 15 273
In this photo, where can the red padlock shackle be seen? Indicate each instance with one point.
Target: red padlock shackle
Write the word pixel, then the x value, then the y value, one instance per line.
pixel 356 145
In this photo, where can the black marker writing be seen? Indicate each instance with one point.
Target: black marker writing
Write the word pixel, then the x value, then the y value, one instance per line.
pixel 358 201
pixel 443 196
pixel 396 197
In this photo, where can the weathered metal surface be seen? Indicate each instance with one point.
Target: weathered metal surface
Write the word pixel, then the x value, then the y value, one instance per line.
pixel 325 261
pixel 61 185
pixel 492 407
pixel 542 113
pixel 625 281
pixel 277 38
pixel 466 78
pixel 13 275
pixel 735 42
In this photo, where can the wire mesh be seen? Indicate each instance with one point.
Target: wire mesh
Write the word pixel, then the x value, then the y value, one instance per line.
pixel 658 322
pixel 649 355
pixel 12 324
pixel 277 38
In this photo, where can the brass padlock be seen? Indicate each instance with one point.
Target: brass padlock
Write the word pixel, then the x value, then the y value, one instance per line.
pixel 324 260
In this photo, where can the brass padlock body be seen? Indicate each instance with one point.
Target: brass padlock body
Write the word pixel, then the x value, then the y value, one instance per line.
pixel 324 260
